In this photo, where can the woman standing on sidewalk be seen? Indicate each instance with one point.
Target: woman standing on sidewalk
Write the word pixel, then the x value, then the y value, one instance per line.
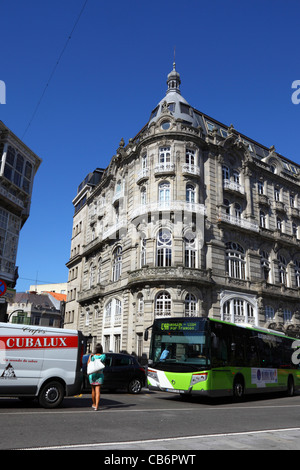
pixel 96 379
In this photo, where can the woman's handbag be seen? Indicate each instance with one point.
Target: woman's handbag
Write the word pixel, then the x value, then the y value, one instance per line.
pixel 95 366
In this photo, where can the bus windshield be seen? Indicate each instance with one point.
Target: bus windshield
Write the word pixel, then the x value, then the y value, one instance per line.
pixel 180 345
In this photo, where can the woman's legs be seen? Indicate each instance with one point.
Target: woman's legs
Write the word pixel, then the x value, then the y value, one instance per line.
pixel 97 396
pixel 93 395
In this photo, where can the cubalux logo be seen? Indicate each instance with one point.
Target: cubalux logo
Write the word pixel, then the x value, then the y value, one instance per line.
pixel 2 92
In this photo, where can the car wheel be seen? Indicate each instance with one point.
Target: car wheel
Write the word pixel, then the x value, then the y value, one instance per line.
pixel 135 386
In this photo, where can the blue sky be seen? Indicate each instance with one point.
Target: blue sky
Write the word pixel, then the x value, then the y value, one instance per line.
pixel 237 61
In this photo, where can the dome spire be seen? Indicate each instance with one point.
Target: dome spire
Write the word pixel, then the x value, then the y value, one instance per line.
pixel 173 80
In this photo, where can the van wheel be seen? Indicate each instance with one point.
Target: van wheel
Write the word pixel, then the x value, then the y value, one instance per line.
pixel 135 386
pixel 51 395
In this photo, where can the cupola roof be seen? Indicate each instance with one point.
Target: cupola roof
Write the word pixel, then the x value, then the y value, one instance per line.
pixel 178 107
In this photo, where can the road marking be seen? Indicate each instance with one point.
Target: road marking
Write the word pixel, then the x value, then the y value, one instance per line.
pixel 167 439
pixel 129 409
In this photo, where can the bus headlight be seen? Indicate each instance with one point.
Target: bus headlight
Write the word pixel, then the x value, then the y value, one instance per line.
pixel 152 374
pixel 199 377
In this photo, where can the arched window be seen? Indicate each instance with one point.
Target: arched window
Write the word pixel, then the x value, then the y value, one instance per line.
pixel 235 260
pixel 164 193
pixel 113 313
pixel 227 206
pixel 282 268
pixel 117 264
pixel 262 219
pixel 225 172
pixel 236 176
pixel 295 229
pixel 190 250
pixel 190 193
pixel 297 272
pixel 279 223
pixel 119 187
pixel 265 265
pixel 143 196
pixel 99 271
pixel 108 314
pixel 144 162
pixel 269 313
pixel 237 210
pixel 163 304
pixel 164 248
pixel 92 275
pixel 190 157
pixel 238 310
pixel 260 187
pixel 277 194
pixel 287 315
pixel 190 304
pixel 143 253
pixel 164 155
pixel 140 304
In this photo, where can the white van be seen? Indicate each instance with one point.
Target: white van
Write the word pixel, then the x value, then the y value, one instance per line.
pixel 40 362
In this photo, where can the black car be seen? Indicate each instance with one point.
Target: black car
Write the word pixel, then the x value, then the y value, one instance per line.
pixel 121 371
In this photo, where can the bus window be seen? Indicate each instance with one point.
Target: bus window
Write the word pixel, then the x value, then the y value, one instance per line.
pixel 219 345
pixel 270 350
pixel 252 358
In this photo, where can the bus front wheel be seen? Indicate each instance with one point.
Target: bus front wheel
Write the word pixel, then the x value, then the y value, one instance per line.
pixel 238 388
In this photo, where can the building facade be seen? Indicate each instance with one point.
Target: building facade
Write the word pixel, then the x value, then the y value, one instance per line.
pixel 191 218
pixel 18 166
pixel 32 308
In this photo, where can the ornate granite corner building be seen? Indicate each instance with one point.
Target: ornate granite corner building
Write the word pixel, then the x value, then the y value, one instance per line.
pixel 191 218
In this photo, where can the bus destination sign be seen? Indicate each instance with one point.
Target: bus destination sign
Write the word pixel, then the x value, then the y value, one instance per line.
pixel 178 326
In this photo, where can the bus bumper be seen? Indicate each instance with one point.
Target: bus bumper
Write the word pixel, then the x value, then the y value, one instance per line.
pixel 189 392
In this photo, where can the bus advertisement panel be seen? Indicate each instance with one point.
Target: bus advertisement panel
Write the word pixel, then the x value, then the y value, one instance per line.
pixel 215 358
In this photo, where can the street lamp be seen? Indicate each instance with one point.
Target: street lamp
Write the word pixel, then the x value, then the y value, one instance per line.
pixel 14 311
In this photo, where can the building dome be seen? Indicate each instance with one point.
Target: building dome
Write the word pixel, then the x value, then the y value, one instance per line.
pixel 176 105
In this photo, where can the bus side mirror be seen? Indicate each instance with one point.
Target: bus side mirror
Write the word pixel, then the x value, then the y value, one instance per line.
pixel 146 335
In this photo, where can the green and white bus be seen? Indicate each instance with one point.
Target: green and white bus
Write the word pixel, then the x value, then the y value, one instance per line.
pixel 209 357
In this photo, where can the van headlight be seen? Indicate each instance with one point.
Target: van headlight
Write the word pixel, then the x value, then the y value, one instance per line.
pixel 199 377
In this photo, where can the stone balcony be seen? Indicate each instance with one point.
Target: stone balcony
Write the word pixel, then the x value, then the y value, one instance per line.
pixel 111 231
pixel 238 221
pixel 149 274
pixel 233 186
pixel 168 206
pixel 87 295
pixel 188 169
pixel 142 175
pixel 117 196
pixel 294 212
pixel 164 168
pixel 279 206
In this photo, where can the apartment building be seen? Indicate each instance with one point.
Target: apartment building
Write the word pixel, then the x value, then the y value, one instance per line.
pixel 18 166
pixel 190 218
